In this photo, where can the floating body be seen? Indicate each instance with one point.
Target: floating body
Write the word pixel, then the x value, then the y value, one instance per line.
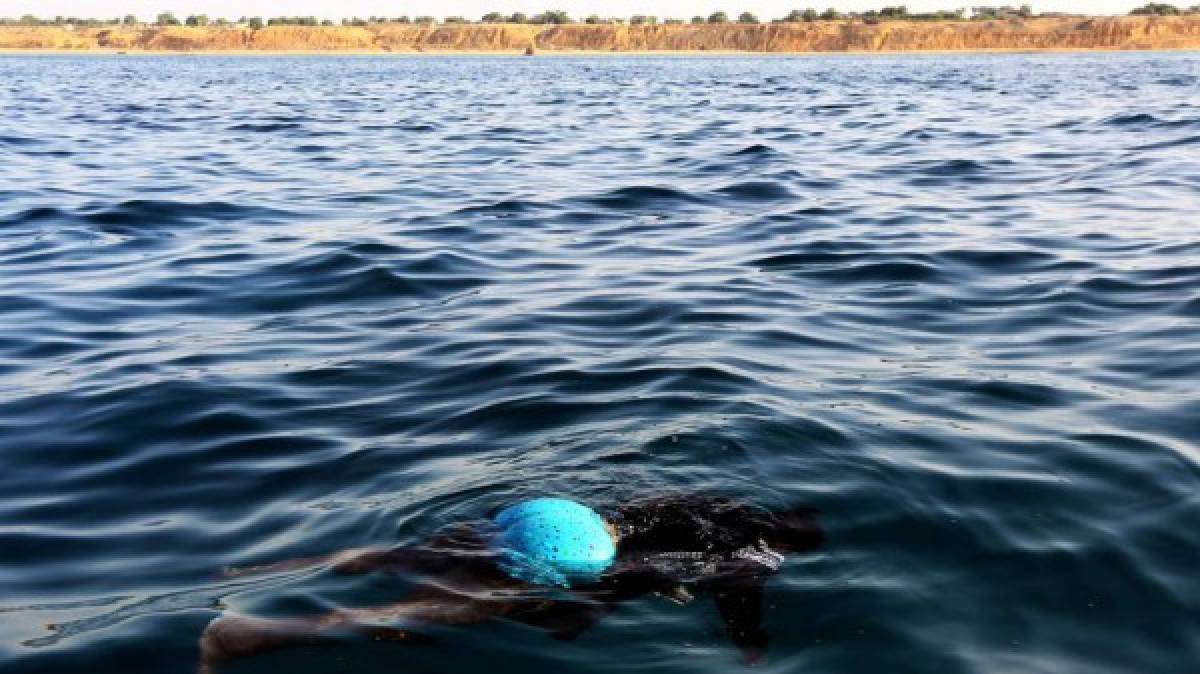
pixel 672 546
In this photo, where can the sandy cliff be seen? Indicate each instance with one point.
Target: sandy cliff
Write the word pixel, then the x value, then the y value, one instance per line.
pixel 1094 33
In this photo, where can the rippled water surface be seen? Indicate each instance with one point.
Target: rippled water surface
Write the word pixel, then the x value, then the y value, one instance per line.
pixel 254 308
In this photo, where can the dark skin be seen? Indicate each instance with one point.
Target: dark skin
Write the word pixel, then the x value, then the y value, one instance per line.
pixel 669 545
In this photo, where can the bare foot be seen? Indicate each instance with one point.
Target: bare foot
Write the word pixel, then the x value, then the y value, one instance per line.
pixel 233 636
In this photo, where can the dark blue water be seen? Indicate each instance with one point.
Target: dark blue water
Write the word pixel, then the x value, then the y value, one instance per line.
pixel 254 308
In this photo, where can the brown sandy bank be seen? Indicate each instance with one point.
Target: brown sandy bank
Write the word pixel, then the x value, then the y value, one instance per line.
pixel 1133 32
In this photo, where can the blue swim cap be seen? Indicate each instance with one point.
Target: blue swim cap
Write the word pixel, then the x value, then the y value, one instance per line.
pixel 553 541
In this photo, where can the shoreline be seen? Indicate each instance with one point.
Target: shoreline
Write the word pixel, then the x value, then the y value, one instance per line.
pixel 104 51
pixel 1035 35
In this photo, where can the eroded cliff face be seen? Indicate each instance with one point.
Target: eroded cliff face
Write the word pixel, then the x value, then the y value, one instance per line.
pixel 822 36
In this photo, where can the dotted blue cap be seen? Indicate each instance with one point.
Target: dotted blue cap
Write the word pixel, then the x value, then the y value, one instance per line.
pixel 553 541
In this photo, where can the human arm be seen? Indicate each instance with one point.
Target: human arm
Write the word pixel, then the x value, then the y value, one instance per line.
pixel 352 561
pixel 740 604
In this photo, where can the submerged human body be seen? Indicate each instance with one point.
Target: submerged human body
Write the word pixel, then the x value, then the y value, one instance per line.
pixel 671 546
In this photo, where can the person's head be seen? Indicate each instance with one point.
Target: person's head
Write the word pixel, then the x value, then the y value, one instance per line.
pixel 794 530
pixel 554 541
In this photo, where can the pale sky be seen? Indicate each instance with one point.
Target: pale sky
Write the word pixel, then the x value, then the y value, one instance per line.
pixel 473 9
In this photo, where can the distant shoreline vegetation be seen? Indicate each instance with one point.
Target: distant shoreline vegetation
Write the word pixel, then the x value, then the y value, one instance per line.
pixel 558 17
pixel 890 29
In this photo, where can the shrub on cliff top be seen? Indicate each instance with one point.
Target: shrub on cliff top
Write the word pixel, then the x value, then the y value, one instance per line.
pixel 555 16
pixel 293 21
pixel 1157 9
pixel 1005 12
pixel 796 16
